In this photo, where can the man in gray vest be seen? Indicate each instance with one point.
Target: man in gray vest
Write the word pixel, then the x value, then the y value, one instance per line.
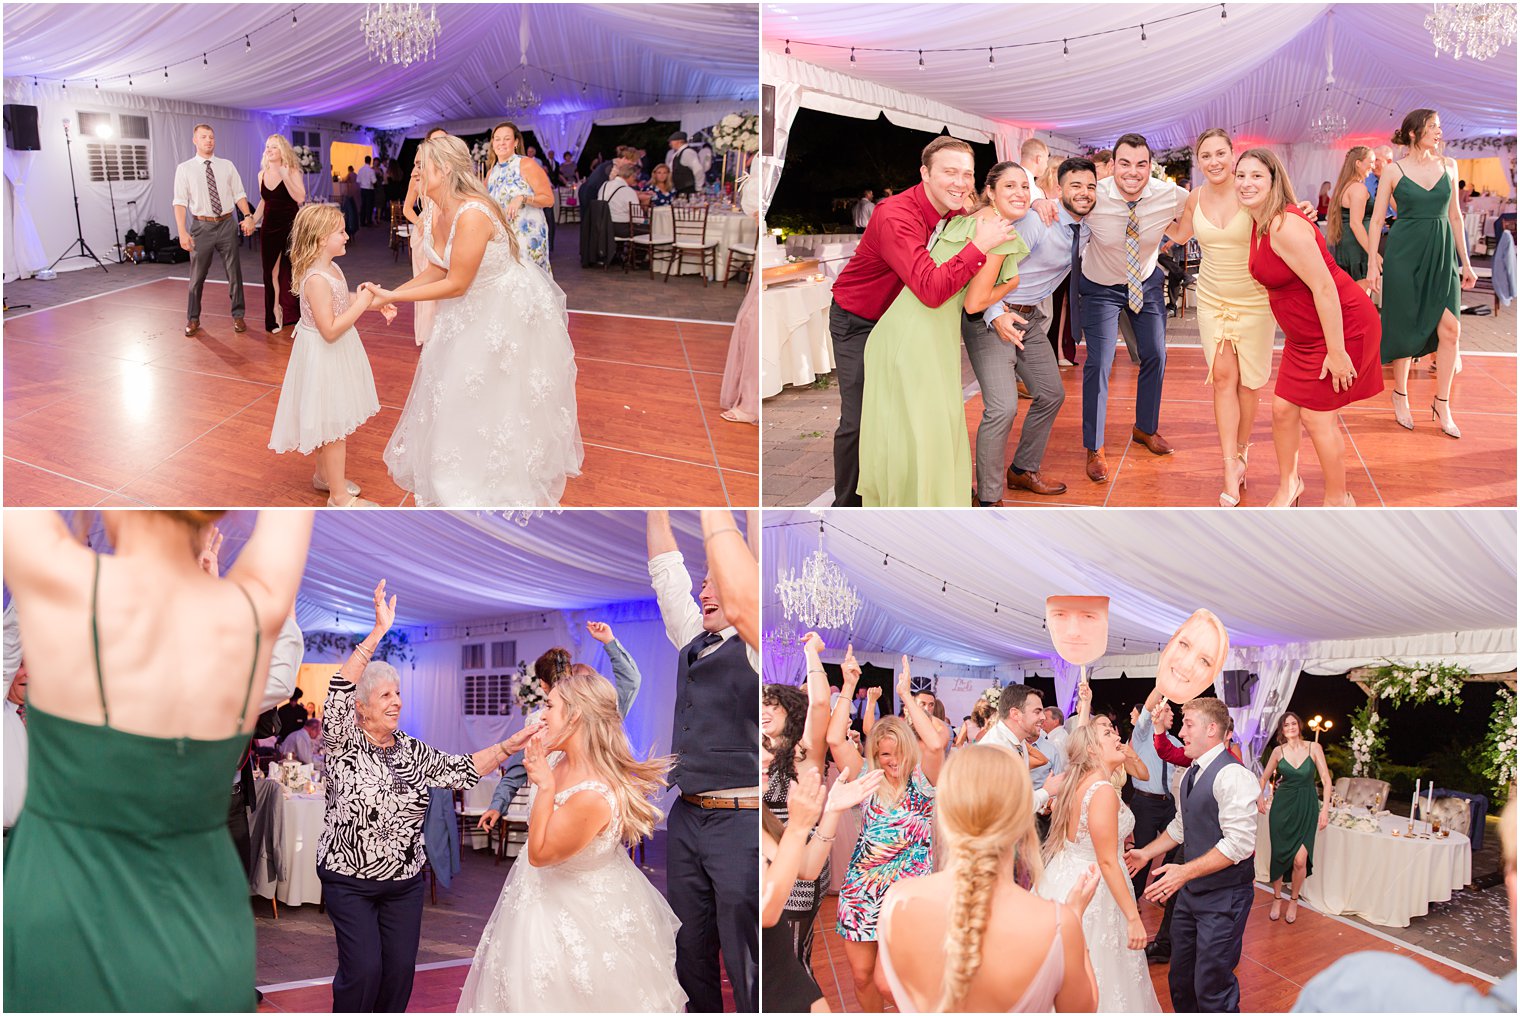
pixel 1216 826
pixel 713 832
pixel 685 162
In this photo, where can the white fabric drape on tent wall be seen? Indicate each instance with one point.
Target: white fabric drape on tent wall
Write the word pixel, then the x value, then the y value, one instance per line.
pixel 24 244
pixel 1255 722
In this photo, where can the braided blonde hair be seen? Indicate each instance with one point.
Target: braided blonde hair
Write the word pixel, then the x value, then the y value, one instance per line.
pixel 450 157
pixel 985 806
pixel 591 701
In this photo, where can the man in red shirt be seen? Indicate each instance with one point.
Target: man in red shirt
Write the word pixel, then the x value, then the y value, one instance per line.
pixel 894 252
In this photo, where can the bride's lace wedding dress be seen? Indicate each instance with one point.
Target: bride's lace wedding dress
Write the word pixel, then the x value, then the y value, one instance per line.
pixel 589 934
pixel 1124 980
pixel 490 420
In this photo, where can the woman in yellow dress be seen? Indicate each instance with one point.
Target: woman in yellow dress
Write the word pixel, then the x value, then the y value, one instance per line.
pixel 1234 320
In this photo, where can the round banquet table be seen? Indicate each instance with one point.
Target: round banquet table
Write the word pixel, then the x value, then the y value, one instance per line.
pixel 300 830
pixel 1383 879
pixel 726 227
pixel 795 346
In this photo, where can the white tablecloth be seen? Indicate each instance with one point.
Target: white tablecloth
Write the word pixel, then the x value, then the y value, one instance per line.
pixel 794 335
pixel 1384 879
pixel 728 228
pixel 302 828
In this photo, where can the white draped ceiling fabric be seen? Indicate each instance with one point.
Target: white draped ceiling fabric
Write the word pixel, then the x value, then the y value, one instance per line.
pixel 459 572
pixel 1299 592
pixel 1259 72
pixel 691 63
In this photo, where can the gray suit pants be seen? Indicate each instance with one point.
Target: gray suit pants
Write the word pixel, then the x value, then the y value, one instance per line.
pixel 997 365
pixel 215 238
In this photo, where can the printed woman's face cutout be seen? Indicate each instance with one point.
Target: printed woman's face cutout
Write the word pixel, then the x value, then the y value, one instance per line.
pixel 1193 658
pixel 1078 627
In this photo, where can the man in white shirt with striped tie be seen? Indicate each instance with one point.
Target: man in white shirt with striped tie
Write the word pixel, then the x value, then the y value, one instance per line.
pixel 205 191
pixel 1120 276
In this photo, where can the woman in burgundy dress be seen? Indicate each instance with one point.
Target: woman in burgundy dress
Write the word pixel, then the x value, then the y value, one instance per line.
pixel 1331 356
pixel 281 191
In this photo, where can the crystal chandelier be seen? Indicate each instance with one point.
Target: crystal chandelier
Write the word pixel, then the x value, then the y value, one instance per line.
pixel 783 642
pixel 820 597
pixel 1477 29
pixel 524 101
pixel 400 33
pixel 1329 127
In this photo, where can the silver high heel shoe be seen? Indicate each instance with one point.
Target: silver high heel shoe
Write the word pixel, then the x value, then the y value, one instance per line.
pixel 1448 426
pixel 1402 417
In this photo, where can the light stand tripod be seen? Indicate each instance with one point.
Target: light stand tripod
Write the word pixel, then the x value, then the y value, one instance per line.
pixel 111 193
pixel 84 248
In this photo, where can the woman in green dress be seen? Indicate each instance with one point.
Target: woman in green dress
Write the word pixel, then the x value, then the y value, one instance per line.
pixel 1419 275
pixel 124 891
pixel 1295 810
pixel 914 446
pixel 1350 221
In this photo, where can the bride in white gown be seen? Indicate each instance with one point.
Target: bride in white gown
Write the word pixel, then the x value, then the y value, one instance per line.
pixel 490 420
pixel 578 927
pixel 1088 824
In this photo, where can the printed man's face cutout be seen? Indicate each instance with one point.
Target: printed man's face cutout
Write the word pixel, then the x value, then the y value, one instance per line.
pixel 1078 627
pixel 1193 658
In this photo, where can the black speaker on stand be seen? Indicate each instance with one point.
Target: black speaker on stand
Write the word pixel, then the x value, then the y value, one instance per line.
pixel 79 241
pixel 1237 687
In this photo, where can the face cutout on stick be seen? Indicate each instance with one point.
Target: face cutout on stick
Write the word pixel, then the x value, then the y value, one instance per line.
pixel 1193 658
pixel 1078 627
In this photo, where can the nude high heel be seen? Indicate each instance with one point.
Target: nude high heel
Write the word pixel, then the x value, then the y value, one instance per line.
pixel 1402 417
pixel 1448 427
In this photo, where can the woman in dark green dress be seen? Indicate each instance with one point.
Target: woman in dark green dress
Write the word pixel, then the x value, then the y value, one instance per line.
pixel 1350 221
pixel 1296 811
pixel 124 891
pixel 1419 274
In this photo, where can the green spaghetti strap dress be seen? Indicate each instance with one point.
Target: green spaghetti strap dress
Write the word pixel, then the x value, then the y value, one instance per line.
pixel 1349 253
pixel 1294 817
pixel 123 891
pixel 1420 268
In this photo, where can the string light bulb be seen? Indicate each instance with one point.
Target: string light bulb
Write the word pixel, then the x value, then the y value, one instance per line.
pixel 292 19
pixel 247 44
pixel 1142 32
pixel 1064 50
pixel 920 59
pixel 852 56
pixel 166 72
pixel 204 61
pixel 789 47
pixel 990 61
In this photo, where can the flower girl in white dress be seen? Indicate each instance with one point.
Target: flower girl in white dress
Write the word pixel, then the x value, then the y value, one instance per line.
pixel 578 927
pixel 328 389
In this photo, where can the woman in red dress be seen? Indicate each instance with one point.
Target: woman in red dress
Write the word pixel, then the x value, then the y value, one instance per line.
pixel 1333 333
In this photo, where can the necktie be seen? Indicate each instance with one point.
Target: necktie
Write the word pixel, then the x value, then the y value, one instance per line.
pixel 1071 279
pixel 1132 259
pixel 938 229
pixel 707 639
pixel 1187 782
pixel 216 199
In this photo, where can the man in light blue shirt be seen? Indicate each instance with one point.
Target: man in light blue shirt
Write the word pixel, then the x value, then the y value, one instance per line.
pixel 1152 804
pixel 1002 354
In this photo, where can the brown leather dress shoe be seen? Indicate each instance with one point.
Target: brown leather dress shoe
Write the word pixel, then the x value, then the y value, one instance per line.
pixel 192 326
pixel 1034 483
pixel 239 325
pixel 1097 466
pixel 1154 443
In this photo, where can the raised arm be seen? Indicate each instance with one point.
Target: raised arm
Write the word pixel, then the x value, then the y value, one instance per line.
pixel 625 672
pixel 934 738
pixel 273 560
pixel 871 711
pixel 359 657
pixel 1084 703
pixel 34 540
pixel 658 535
pixel 815 727
pixel 838 737
pixel 735 573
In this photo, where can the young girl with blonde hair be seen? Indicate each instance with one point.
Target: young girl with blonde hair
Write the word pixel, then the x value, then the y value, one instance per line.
pixel 329 389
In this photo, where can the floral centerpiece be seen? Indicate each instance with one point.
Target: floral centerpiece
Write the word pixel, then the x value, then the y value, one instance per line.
pixel 736 132
pixel 1356 823
pixel 529 691
pixel 307 159
pixel 1498 753
pixel 480 152
pixel 992 695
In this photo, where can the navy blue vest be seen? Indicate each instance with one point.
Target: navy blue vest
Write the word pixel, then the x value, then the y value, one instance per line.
pixel 1200 826
pixel 717 727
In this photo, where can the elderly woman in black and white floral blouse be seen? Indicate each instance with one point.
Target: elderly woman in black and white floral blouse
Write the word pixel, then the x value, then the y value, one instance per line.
pixel 371 854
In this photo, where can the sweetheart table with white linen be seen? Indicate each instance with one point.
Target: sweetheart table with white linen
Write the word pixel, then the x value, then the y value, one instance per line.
pixel 1383 879
pixel 795 346
pixel 729 228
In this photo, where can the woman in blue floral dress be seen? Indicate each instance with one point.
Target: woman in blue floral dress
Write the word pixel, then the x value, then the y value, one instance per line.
pixel 897 822
pixel 661 190
pixel 521 187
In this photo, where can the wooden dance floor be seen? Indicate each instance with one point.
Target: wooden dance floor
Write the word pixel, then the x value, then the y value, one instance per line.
pixel 1385 464
pixel 1277 961
pixel 107 403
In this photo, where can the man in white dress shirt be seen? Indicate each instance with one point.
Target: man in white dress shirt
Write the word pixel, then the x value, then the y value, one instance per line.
pixel 366 176
pixel 206 189
pixel 1020 712
pixel 1213 886
pixel 713 830
pixel 1120 277
pixel 685 162
pixel 863 209
pixel 1034 156
pixel 302 742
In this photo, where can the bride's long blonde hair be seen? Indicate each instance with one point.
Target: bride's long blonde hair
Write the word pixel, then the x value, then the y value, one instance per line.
pixel 985 808
pixel 591 702
pixel 450 157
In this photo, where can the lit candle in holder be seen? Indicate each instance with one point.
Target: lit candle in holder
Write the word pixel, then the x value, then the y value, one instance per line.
pixel 1412 802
